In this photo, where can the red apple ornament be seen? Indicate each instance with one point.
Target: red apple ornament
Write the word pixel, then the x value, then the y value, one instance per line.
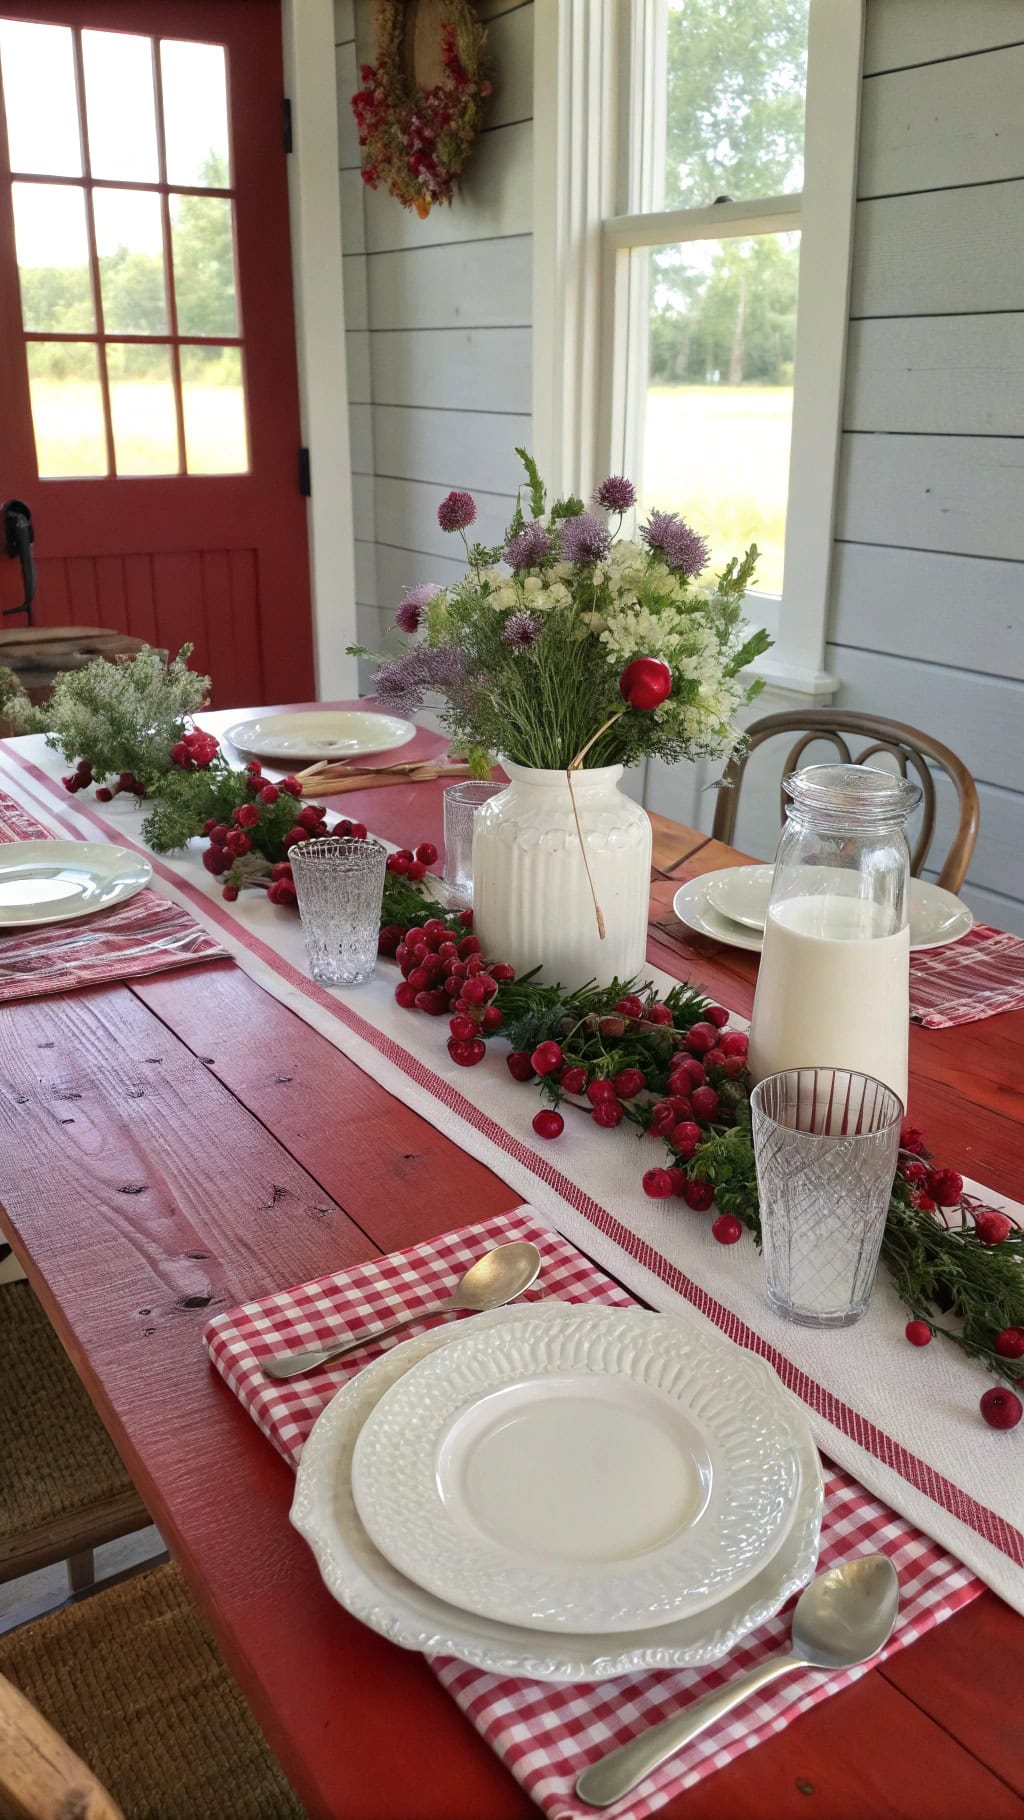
pixel 646 683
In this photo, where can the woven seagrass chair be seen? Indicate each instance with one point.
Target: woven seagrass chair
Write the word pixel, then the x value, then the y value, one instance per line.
pixel 64 1489
pixel 127 1680
pixel 910 748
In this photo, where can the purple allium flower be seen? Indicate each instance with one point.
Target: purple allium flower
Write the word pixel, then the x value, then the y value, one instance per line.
pixel 528 547
pixel 521 630
pixel 401 682
pixel 456 512
pixel 616 493
pixel 413 605
pixel 684 550
pixel 584 538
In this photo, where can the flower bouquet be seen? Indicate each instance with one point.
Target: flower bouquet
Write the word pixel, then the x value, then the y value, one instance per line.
pixel 571 651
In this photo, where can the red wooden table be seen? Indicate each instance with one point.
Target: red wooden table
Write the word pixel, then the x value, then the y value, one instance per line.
pixel 187 1143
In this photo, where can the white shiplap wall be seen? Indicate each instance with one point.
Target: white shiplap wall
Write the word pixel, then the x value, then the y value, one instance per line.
pixel 438 330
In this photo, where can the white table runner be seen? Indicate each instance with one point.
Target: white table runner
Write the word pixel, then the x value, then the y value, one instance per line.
pixel 904 1421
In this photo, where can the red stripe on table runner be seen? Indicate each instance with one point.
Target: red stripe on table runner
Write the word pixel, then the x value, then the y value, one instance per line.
pixel 986 1523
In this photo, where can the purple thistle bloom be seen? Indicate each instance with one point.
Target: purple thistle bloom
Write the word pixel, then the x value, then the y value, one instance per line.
pixel 521 630
pixel 684 550
pixel 400 684
pixel 528 547
pixel 584 538
pixel 456 512
pixel 413 605
pixel 616 494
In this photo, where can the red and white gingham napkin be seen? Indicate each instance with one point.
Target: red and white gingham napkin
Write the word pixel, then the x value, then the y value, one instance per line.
pixel 545 1735
pixel 146 935
pixel 978 976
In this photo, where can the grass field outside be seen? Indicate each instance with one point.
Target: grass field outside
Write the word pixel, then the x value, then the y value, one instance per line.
pixel 719 456
pixel 68 420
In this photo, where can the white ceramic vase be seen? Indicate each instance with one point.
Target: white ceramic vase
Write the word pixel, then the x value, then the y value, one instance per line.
pixel 531 898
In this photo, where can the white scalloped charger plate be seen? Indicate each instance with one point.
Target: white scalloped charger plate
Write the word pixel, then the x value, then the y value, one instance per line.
pixel 368 1586
pixel 607 1469
pixel 55 881
pixel 317 733
pixel 712 902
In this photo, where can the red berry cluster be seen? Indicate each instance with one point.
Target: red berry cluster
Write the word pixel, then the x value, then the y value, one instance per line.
pixel 250 831
pixel 413 866
pixel 195 751
pixel 82 776
pixel 444 972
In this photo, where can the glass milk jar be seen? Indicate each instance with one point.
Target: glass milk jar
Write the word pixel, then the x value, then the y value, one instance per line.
pixel 833 988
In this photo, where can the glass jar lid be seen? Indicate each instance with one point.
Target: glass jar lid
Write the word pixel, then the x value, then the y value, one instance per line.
pixel 857 796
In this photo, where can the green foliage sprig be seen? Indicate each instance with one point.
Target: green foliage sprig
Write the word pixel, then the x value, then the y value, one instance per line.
pixel 16 708
pixel 125 716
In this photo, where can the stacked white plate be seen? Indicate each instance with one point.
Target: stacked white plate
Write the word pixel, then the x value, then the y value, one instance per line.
pixel 731 905
pixel 563 1492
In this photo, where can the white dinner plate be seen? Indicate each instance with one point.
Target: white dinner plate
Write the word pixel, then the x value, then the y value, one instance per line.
pixel 321 733
pixel 368 1586
pixel 936 916
pixel 608 1469
pixel 55 881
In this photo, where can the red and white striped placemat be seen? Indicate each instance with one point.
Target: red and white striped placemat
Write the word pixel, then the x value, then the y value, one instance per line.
pixel 148 934
pixel 976 977
pixel 545 1735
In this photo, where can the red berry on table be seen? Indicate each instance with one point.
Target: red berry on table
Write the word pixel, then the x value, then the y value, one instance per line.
pixel 1009 1344
pixel 646 683
pixel 945 1187
pixel 468 945
pixel 734 1042
pixel 216 860
pixel 600 1092
pixel 630 1006
pixel 700 1038
pixel 992 1228
pixel 502 972
pixel 607 1114
pixel 680 1103
pixel 126 781
pixel 466 918
pixel 307 817
pixel 918 1333
pixel 678 1178
pixel 247 815
pixel 419 979
pixel 426 853
pixel 663 1118
pixel 289 784
pixel 387 940
pixel 923 1202
pixel 734 1066
pixel 434 1003
pixel 269 794
pixel 628 1083
pixel 103 795
pixel 726 1229
pixel 1001 1408
pixel 660 1014
pixel 519 1065
pixel 699 1196
pixel 434 931
pixel 548 1124
pixel 357 831
pixel 492 1018
pixel 467 1054
pixel 717 1015
pixel 254 768
pixel 405 995
pixel 546 1057
pixel 415 871
pixel 72 784
pixel 658 1184
pixel 229 893
pixel 394 862
pixel 462 1028
pixel 219 834
pixel 689 1065
pixel 208 825
pixel 715 1058
pixel 574 1080
pixel 705 1102
pixel 911 1138
pixel 343 829
pixel 914 1172
pixel 685 1137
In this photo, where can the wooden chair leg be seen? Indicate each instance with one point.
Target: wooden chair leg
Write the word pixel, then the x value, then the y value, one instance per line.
pixel 81 1570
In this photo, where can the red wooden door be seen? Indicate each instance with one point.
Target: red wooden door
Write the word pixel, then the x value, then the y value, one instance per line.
pixel 148 387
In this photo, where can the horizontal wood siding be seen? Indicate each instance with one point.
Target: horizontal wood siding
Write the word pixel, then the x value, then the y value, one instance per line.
pixel 927 602
pixel 438 317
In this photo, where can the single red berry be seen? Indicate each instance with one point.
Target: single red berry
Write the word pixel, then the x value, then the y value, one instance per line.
pixel 209 824
pixel 660 1014
pixel 282 869
pixel 734 1066
pixel 646 683
pixel 611 1028
pixel 216 860
pixel 290 784
pixel 705 1102
pixel 357 831
pixel 419 979
pixel 126 781
pixel 179 753
pixel 426 853
pixel 72 784
pixel 1009 1344
pixel 914 1171
pixel 574 1080
pixel 475 964
pixel 405 995
pixel 658 1184
pixel 103 795
pixel 546 1057
pixel 923 1202
pixel 467 1054
pixel 678 1178
pixel 726 1229
pixel 247 815
pixel 219 834
pixel 414 871
pixel 663 1118
pixel 229 893
pixel 238 844
pixel 715 1058
pixel 918 1333
pixel 699 1196
pixel 254 768
pixel 394 862
pixel 685 1137
pixel 519 1065
pixel 717 1015
pixel 462 1028
pixel 84 770
pixel 269 794
pixel 294 838
pixel 548 1124
pixel 502 972
pixel 307 817
pixel 468 946
pixel 630 1006
pixel 945 1187
pixel 492 1018
pixel 388 939
pixel 628 1083
pixel 1001 1408
pixel 466 918
pixel 433 1002
pixel 689 1065
pixel 680 1103
pixel 700 1038
pixel 607 1113
pixel 600 1092
pixel 911 1138
pixel 992 1228
pixel 734 1042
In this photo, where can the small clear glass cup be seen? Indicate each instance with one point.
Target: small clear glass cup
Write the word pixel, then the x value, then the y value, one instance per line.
pixel 340 887
pixel 826 1142
pixel 461 802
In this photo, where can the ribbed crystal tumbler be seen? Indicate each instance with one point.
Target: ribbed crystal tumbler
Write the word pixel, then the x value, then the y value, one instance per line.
pixel 461 802
pixel 825 1144
pixel 340 885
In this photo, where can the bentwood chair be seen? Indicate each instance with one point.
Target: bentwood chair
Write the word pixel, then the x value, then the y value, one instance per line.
pixel 910 748
pixel 64 1490
pixel 126 1679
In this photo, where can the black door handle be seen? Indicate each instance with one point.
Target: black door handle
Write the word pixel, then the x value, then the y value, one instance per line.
pixel 19 537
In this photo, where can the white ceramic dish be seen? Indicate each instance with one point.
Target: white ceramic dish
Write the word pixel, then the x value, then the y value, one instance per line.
pixel 936 916
pixel 366 1584
pixel 604 1470
pixel 56 881
pixel 320 733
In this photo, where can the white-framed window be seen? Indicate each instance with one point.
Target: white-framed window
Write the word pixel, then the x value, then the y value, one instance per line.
pixel 692 249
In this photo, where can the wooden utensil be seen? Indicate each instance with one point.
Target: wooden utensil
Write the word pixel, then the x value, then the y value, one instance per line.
pixel 333 778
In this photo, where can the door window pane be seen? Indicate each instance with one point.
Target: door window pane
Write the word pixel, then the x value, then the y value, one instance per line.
pixel 129 242
pixel 67 408
pixel 195 92
pixel 38 69
pixel 119 106
pixel 142 409
pixel 720 394
pixel 736 72
pixel 53 257
pixel 214 402
pixel 202 234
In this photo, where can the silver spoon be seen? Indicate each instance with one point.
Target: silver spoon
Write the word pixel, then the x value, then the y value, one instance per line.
pixel 842 1618
pixel 496 1278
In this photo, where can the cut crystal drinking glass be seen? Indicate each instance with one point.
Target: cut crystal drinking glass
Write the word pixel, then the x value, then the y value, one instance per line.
pixel 340 886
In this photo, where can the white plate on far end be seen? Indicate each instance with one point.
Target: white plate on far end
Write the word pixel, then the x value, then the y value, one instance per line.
pixel 368 1586
pixel 609 1469
pixel 321 733
pixel 731 905
pixel 56 881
